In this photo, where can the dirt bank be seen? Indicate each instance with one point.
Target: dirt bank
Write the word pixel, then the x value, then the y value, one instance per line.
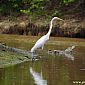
pixel 72 27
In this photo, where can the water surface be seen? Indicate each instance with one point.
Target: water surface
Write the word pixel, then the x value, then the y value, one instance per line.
pixel 50 69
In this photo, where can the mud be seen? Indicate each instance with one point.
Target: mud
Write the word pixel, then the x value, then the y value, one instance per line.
pixel 70 28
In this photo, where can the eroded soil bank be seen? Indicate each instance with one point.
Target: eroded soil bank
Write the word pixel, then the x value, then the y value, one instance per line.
pixel 71 27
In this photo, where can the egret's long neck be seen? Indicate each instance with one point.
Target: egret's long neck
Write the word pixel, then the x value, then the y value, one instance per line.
pixel 49 32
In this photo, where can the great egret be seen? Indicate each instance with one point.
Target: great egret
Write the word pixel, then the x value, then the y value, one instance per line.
pixel 40 43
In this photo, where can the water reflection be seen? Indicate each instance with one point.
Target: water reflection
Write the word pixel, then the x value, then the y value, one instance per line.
pixel 38 77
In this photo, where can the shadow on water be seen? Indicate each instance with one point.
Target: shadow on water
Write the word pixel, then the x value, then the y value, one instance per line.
pixel 48 70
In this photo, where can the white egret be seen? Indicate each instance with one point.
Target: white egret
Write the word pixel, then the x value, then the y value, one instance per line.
pixel 40 43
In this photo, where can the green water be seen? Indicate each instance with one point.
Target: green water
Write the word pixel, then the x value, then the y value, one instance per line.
pixel 49 69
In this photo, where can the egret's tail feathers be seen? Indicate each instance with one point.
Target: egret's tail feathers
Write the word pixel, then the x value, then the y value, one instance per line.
pixel 32 50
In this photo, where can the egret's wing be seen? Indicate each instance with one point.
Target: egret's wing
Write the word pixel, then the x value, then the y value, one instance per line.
pixel 41 39
pixel 39 43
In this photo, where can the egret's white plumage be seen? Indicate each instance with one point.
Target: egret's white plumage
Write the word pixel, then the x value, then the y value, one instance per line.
pixel 40 43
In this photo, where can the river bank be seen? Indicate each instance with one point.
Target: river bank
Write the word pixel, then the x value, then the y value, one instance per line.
pixel 72 27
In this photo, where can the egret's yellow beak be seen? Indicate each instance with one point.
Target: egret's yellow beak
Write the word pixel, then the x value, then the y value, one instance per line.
pixel 60 19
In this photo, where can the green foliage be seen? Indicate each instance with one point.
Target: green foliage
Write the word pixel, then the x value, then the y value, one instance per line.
pixel 37 8
pixel 34 8
pixel 68 1
pixel 57 13
pixel 10 6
